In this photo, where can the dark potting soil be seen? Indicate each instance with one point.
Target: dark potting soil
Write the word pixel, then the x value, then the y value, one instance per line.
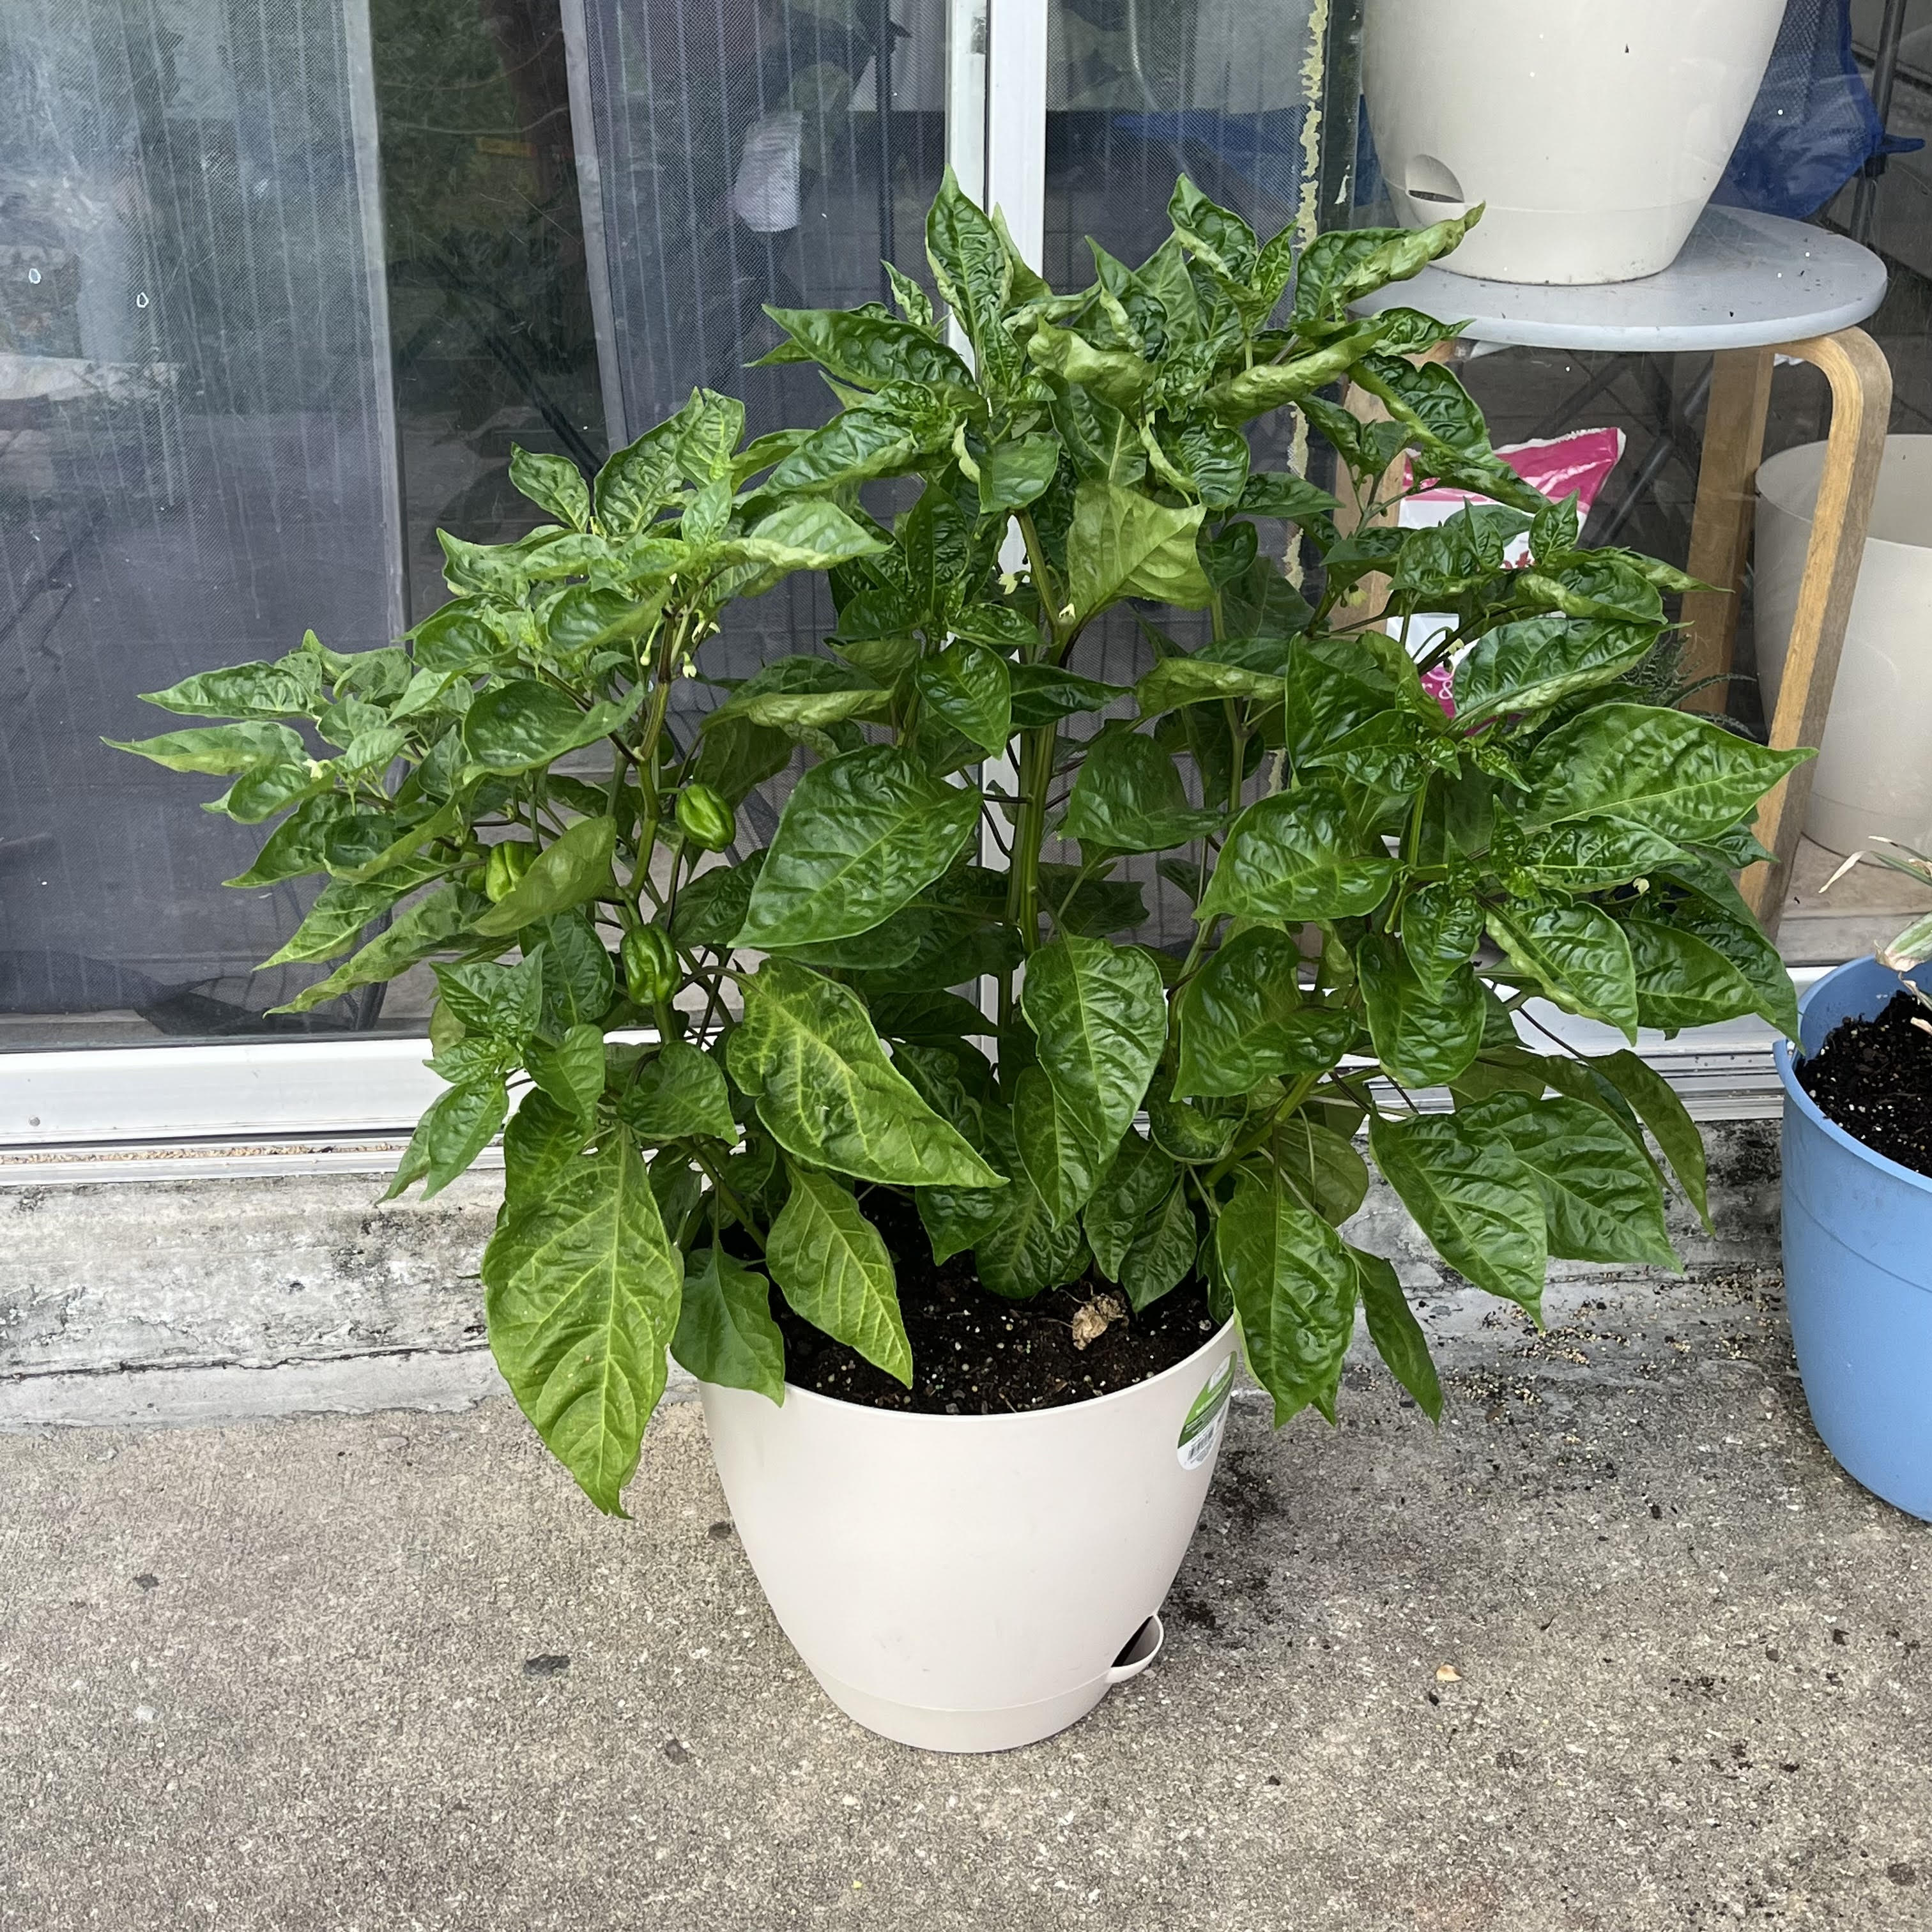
pixel 1873 1078
pixel 973 1353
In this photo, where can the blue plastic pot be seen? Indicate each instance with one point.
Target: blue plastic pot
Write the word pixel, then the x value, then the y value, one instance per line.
pixel 1858 1266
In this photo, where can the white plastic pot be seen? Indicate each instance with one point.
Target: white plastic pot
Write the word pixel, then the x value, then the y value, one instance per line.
pixel 1874 770
pixel 1593 131
pixel 973 1583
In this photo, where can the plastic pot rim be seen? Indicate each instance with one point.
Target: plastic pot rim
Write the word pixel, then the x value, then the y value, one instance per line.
pixel 1056 1410
pixel 1784 1059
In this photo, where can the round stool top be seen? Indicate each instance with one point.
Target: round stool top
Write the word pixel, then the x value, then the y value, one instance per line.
pixel 1743 281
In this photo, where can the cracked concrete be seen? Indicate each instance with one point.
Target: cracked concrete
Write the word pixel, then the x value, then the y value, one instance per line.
pixel 1616 1647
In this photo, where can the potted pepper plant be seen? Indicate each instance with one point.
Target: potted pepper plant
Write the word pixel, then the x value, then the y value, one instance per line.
pixel 958 1201
pixel 1858 1205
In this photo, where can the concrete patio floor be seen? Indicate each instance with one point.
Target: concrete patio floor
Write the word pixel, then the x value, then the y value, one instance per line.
pixel 389 1671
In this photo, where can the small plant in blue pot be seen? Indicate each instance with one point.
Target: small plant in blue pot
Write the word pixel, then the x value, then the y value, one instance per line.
pixel 1857 1207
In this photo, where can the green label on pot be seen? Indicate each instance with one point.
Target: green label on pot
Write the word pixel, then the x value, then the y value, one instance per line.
pixel 1202 1430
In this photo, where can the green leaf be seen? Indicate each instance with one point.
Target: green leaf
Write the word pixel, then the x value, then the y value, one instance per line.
pixel 885 436
pixel 725 1333
pixel 1217 455
pixel 218 748
pixel 1174 682
pixel 1601 1198
pixel 458 1125
pixel 678 1093
pixel 1423 1039
pixel 523 725
pixel 1098 1013
pixel 1293 1288
pixel 1220 238
pixel 582 1288
pixel 827 1092
pixel 342 911
pixel 574 868
pixel 579 980
pixel 642 477
pixel 1528 666
pixel 503 1002
pixel 1579 954
pixel 423 929
pixel 1281 493
pixel 1441 926
pixel 253 691
pixel 1324 1168
pixel 571 1071
pixel 711 427
pixel 1472 1196
pixel 1134 1187
pixel 832 1267
pixel 1163 1254
pixel 1242 1021
pixel 1011 475
pixel 968 686
pixel 1118 377
pixel 1062 1147
pixel 870 350
pixel 541 1142
pixel 554 484
pixel 1099 441
pixel 1021 1253
pixel 1740 939
pixel 1591 855
pixel 1397 1335
pixel 1683 776
pixel 1655 1103
pixel 1296 857
pixel 1124 544
pixel 1682 980
pixel 861 834
pixel 1129 797
pixel 1043 693
pixel 585 617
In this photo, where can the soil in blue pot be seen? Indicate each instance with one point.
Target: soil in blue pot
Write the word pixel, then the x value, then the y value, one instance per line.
pixel 1873 1078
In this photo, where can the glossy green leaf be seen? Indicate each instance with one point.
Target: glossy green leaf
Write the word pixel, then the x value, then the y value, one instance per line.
pixel 725 1333
pixel 827 1093
pixel 832 1267
pixel 523 725
pixel 678 1092
pixel 1735 935
pixel 1140 1178
pixel 1012 474
pixel 1041 694
pixel 289 689
pixel 1683 776
pixel 1591 855
pixel 1530 665
pixel 1341 267
pixel 968 686
pixel 540 1142
pixel 571 1070
pixel 1098 1013
pixel 1296 857
pixel 1174 682
pixel 506 1002
pixel 1322 1166
pixel 1243 1020
pixel 573 868
pixel 582 1289
pixel 1124 545
pixel 1062 1146
pixel 554 484
pixel 870 350
pixel 1129 797
pixel 860 835
pixel 1601 1198
pixel 1163 1254
pixel 218 748
pixel 1423 1038
pixel 1397 1335
pixel 1473 1196
pixel 342 911
pixel 1654 1102
pixel 885 436
pixel 429 928
pixel 640 479
pixel 1682 980
pixel 1579 954
pixel 457 1126
pixel 1441 927
pixel 1294 1288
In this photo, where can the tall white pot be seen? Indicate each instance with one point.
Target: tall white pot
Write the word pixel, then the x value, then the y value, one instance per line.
pixel 1594 131
pixel 1874 773
pixel 967 1582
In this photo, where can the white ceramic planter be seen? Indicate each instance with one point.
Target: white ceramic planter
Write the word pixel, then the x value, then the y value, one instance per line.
pixel 1593 130
pixel 967 1583
pixel 1874 772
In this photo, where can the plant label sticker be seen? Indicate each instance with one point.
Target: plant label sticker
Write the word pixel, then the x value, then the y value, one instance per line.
pixel 1201 1432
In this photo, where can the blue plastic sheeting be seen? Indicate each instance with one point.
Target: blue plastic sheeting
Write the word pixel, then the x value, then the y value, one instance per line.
pixel 1812 126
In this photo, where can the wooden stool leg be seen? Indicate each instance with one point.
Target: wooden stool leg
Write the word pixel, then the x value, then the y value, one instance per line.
pixel 1721 527
pixel 1861 381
